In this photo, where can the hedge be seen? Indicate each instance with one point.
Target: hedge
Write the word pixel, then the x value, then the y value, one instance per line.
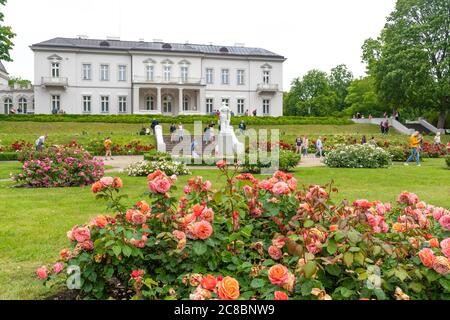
pixel 167 119
pixel 9 156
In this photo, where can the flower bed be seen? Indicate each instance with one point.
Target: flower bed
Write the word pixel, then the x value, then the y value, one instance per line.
pixel 59 167
pixel 257 239
pixel 144 168
pixel 357 156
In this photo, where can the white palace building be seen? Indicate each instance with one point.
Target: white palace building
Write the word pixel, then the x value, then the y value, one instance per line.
pixel 87 76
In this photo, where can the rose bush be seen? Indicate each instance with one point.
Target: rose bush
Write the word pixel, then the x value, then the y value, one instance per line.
pixel 59 167
pixel 358 156
pixel 144 168
pixel 257 239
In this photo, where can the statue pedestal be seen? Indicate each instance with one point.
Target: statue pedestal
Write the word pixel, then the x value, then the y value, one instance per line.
pixel 225 143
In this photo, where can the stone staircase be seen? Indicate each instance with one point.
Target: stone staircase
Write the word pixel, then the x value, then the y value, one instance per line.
pixel 416 126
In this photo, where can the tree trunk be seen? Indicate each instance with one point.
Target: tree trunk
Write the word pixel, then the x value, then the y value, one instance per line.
pixel 441 119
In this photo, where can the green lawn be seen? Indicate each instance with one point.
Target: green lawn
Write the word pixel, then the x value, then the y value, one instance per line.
pixel 33 222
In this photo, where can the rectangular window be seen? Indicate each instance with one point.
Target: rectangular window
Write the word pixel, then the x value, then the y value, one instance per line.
pixel 122 73
pixel 266 107
pixel 209 105
pixel 104 72
pixel 225 76
pixel 55 70
pixel 226 101
pixel 167 71
pixel 240 106
pixel 122 104
pixel 104 102
pixel 241 77
pixel 87 101
pixel 266 76
pixel 87 72
pixel 56 103
pixel 149 70
pixel 209 76
pixel 184 73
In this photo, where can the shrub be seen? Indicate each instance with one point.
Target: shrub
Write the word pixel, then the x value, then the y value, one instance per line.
pixel 358 156
pixel 144 168
pixel 155 155
pixel 257 240
pixel 9 156
pixel 289 160
pixel 59 167
pixel 398 153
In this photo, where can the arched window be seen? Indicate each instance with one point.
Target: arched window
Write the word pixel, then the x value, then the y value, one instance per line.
pixel 22 106
pixel 150 103
pixel 167 104
pixel 8 104
pixel 185 103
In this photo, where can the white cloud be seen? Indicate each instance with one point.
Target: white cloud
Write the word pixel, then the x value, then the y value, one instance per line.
pixel 310 33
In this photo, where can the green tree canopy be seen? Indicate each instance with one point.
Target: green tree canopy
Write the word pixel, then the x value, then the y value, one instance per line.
pixel 410 61
pixel 363 98
pixel 339 79
pixel 6 37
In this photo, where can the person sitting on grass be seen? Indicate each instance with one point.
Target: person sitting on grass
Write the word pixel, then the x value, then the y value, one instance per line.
pixel 414 142
pixel 108 143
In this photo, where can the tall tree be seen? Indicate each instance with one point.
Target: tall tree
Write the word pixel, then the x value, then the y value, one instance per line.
pixel 6 37
pixel 339 79
pixel 410 61
pixel 363 98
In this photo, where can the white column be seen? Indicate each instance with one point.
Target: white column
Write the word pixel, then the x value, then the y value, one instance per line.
pixel 158 100
pixel 136 99
pixel 180 105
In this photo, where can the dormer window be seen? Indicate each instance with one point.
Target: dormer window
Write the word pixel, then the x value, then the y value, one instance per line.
pixel 55 68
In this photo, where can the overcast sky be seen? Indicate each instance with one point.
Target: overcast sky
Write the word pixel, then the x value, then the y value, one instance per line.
pixel 310 33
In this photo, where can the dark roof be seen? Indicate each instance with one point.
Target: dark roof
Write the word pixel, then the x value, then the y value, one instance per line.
pixel 154 46
pixel 2 68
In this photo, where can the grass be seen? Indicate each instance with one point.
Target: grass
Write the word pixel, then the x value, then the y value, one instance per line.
pixel 33 222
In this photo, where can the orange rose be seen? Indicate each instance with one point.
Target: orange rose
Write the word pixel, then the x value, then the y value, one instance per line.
pixel 143 206
pixel 279 295
pixel 278 274
pixel 209 282
pixel 101 221
pixel 334 227
pixel 203 230
pixel 197 210
pixel 399 227
pixel 117 184
pixel 427 257
pixel 228 289
pixel 434 243
pixel 97 187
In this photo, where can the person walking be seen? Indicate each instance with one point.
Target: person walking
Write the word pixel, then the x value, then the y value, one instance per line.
pixel 437 139
pixel 212 135
pixel 180 132
pixel 40 143
pixel 414 143
pixel 382 127
pixel 173 131
pixel 242 127
pixel 305 145
pixel 153 125
pixel 373 142
pixel 298 145
pixel 207 134
pixel 107 144
pixel 194 149
pixel 386 127
pixel 319 147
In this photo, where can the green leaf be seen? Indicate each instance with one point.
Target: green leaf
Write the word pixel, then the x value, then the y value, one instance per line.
pixel 199 248
pixel 126 251
pixel 308 224
pixel 380 294
pixel 257 283
pixel 331 247
pixel 333 269
pixel 339 235
pixel 353 236
pixel 117 250
pixel 310 269
pixel 348 259
pixel 445 283
pixel 247 231
pixel 401 274
pixel 217 197
pixel 359 258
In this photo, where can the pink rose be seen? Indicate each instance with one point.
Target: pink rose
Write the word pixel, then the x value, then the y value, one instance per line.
pixel 42 272
pixel 138 217
pixel 275 253
pixel 438 213
pixel 280 188
pixel 445 246
pixel 221 164
pixel 265 185
pixel 202 230
pixel 441 265
pixel 162 185
pixel 207 214
pixel 206 186
pixel 107 181
pixel 81 234
pixel 445 222
pixel 58 267
pixel 187 189
pixel 179 235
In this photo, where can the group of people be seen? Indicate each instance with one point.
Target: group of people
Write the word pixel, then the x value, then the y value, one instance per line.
pixel 302 146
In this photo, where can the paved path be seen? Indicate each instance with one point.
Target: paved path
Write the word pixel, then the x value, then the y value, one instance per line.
pixel 311 161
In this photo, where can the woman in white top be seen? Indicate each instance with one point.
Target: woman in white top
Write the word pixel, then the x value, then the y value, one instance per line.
pixel 180 132
pixel 437 139
pixel 305 145
pixel 212 136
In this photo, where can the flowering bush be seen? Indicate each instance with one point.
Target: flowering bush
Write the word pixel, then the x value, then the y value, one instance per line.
pixel 59 167
pixel 135 147
pixel 257 239
pixel 144 168
pixel 358 156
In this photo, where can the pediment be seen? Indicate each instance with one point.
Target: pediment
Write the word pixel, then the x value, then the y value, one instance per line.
pixel 54 57
pixel 167 61
pixel 149 61
pixel 184 61
pixel 266 66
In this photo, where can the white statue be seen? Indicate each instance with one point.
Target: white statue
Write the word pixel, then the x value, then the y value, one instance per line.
pixel 225 117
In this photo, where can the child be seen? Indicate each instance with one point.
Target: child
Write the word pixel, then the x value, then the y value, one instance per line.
pixel 108 143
